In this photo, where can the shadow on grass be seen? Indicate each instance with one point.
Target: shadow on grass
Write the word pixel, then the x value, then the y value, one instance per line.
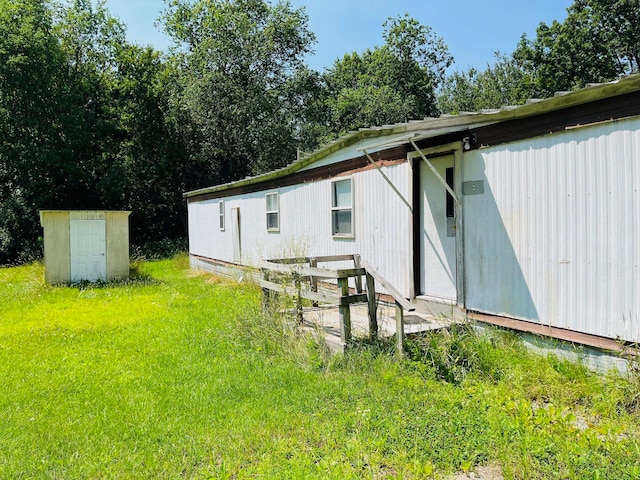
pixel 137 277
pixel 141 281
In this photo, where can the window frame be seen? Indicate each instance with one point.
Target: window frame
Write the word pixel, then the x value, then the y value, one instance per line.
pixel 221 216
pixel 335 208
pixel 275 212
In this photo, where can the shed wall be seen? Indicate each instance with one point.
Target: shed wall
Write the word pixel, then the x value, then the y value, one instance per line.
pixel 554 237
pixel 57 242
pixel 57 260
pixel 117 237
pixel 382 225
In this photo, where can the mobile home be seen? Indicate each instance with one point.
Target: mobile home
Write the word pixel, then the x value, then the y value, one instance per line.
pixel 526 217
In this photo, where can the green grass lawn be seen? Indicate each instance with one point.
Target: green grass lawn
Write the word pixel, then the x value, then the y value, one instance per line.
pixel 177 375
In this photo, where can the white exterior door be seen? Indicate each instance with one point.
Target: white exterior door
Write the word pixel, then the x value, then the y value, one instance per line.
pixel 88 250
pixel 438 232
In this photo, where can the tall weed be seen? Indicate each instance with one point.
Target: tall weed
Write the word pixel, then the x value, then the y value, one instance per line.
pixel 274 330
pixel 457 352
pixel 629 400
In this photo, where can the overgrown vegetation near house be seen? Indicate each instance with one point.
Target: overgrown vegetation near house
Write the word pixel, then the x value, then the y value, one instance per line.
pixel 175 374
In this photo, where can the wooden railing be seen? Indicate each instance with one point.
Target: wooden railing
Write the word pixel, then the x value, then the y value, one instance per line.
pixel 299 277
pixel 401 303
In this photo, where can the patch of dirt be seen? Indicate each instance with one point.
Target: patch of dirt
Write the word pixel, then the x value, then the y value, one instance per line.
pixel 486 472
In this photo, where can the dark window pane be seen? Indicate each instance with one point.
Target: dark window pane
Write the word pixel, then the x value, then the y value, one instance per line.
pixel 342 222
pixel 451 207
pixel 272 221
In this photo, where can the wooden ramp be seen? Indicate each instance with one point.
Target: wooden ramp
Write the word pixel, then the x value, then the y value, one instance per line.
pixel 344 314
pixel 325 320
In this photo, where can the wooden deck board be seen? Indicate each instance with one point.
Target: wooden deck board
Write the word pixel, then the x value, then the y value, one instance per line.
pixel 326 320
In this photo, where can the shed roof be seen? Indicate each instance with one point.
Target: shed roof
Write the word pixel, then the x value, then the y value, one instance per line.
pixel 391 135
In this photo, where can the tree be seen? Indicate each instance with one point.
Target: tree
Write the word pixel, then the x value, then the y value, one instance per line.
pixel 122 138
pixel 597 42
pixel 363 93
pixel 33 113
pixel 503 83
pixel 151 167
pixel 306 99
pixel 92 41
pixel 423 57
pixel 84 124
pixel 388 84
pixel 620 20
pixel 236 60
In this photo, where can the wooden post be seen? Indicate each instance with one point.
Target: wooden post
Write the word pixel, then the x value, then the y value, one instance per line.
pixel 344 312
pixel 313 263
pixel 373 306
pixel 266 294
pixel 298 285
pixel 358 279
pixel 399 330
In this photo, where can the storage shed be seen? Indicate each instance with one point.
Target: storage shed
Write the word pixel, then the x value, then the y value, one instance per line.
pixel 85 245
pixel 526 217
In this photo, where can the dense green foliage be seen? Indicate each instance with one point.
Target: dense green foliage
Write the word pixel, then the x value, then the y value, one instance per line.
pixel 503 83
pixel 84 124
pixel 235 64
pixel 34 117
pixel 88 120
pixel 388 84
pixel 597 42
pixel 173 374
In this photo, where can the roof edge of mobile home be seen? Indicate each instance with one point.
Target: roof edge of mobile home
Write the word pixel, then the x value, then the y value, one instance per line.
pixel 433 127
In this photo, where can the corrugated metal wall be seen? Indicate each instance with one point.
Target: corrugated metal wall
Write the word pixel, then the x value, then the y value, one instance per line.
pixel 555 238
pixel 382 225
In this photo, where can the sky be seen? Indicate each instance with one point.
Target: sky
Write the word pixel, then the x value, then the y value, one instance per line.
pixel 472 29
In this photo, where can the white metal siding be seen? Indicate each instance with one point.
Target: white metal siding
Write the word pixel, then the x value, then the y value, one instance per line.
pixel 555 238
pixel 382 225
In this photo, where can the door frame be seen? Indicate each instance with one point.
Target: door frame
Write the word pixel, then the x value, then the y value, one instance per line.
pixel 236 234
pixel 416 161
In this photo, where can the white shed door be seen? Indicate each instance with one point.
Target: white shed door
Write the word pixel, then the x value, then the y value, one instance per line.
pixel 437 238
pixel 88 250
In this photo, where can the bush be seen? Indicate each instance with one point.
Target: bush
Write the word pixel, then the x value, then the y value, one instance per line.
pixel 158 250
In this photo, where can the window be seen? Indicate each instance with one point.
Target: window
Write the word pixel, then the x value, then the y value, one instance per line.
pixel 273 212
pixel 221 214
pixel 342 208
pixel 451 206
